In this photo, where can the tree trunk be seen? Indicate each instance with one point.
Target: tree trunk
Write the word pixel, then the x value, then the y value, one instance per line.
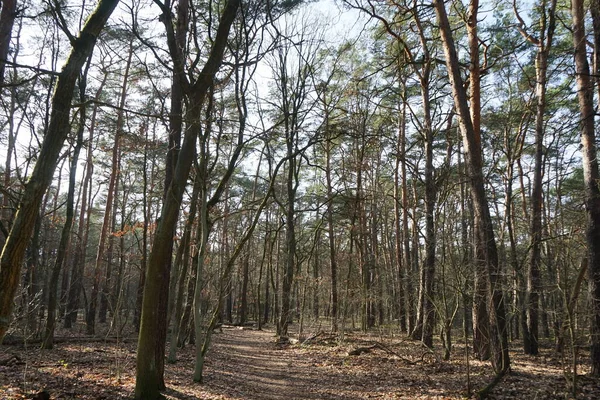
pixel 428 320
pixel 78 263
pixel 486 256
pixel 406 254
pixel 41 177
pixel 149 379
pixel 330 228
pixel 185 246
pixel 243 316
pixel 112 185
pixel 543 43
pixel 65 237
pixel 402 302
pixel 7 20
pixel 591 175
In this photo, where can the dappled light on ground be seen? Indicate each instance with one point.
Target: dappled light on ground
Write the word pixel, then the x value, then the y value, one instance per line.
pixel 250 364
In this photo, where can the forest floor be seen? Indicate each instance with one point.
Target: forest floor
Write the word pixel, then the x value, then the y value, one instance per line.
pixel 245 363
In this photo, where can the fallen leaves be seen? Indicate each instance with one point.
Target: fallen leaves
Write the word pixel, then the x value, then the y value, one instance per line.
pixel 250 364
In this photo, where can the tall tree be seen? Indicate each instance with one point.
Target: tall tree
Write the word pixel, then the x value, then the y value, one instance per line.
pixel 79 253
pixel 150 362
pixel 543 44
pixel 66 231
pixel 486 254
pixel 293 64
pixel 110 196
pixel 58 128
pixel 591 174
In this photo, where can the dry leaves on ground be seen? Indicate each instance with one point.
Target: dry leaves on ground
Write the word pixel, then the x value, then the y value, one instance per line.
pixel 250 364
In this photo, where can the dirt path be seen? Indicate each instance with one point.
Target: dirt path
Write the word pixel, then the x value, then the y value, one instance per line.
pixel 248 364
pixel 257 369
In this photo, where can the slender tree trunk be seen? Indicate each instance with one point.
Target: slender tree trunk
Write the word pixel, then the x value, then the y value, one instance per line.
pixel 290 114
pixel 331 233
pixel 112 185
pixel 185 261
pixel 105 292
pixel 400 233
pixel 244 292
pixel 316 274
pixel 407 259
pixel 65 237
pixel 146 209
pixel 7 20
pixel 544 43
pixel 78 263
pixel 430 243
pixel 6 214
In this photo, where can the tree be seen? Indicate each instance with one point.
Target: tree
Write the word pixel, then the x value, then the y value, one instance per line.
pixel 543 44
pixel 149 379
pixel 65 236
pixel 591 175
pixel 7 20
pixel 110 198
pixel 78 258
pixel 486 255
pixel 294 61
pixel 58 128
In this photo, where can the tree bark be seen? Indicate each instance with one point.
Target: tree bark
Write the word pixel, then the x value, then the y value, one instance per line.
pixel 7 20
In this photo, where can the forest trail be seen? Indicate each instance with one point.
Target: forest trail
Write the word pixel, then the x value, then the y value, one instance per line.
pixel 256 367
pixel 249 364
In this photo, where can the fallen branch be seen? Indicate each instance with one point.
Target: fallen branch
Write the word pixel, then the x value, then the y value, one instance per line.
pixel 377 345
pixel 359 350
pixel 429 350
pixel 317 338
pixel 11 360
pixel 485 392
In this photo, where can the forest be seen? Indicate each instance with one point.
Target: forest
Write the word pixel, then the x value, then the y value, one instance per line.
pixel 288 199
